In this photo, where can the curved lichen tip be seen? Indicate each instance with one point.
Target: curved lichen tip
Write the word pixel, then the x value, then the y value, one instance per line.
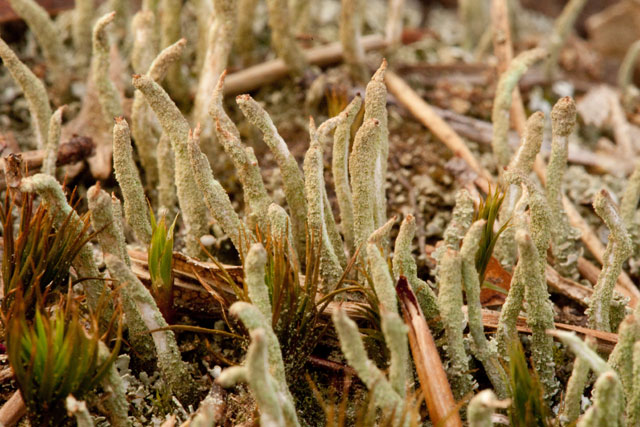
pixel 99 36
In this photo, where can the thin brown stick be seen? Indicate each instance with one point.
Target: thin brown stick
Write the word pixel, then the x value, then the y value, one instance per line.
pixel 12 410
pixel 566 287
pixel 606 340
pixel 432 121
pixel 588 270
pixel 259 75
pixel 433 379
pixel 76 149
pixel 503 50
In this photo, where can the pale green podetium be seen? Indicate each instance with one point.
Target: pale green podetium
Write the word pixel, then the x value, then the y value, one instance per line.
pixel 215 197
pixel 256 199
pixel 482 407
pixel 330 222
pixel 522 163
pixel 608 399
pixel 155 151
pixel 173 370
pixel 502 102
pixel 143 127
pixel 219 43
pixel 484 350
pixel 53 142
pixel 245 39
pixel 170 32
pixel 539 224
pixel 395 337
pixel 330 268
pixel 280 227
pixel 450 303
pixel 81 32
pixel 275 408
pixel 112 241
pixel 115 403
pixel 528 266
pixel 292 178
pixel 384 394
pixel 340 169
pixel 34 91
pixel 192 207
pixel 79 411
pixel 539 316
pixel 621 358
pixel 167 197
pixel 575 387
pixel 630 198
pixel 136 209
pixel 608 403
pixel 107 93
pixel 382 233
pixel 51 193
pixel 618 250
pixel 375 107
pixel 254 268
pixel 625 75
pixel 461 219
pixel 474 15
pixel 382 282
pixel 565 238
pixel 361 167
pixel 253 319
pixel 145 41
pixel 405 265
pixel 633 403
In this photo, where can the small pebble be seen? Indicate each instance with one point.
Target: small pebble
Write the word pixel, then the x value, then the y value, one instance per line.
pixel 207 240
pixel 215 372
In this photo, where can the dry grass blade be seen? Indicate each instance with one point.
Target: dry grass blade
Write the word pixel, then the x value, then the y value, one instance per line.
pixel 488 210
pixel 433 379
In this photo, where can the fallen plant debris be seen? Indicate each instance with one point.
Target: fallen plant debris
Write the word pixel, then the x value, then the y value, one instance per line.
pixel 336 213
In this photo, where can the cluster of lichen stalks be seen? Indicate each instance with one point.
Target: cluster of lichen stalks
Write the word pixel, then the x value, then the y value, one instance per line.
pixel 538 222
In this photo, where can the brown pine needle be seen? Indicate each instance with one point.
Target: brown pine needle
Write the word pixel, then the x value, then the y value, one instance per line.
pixel 433 379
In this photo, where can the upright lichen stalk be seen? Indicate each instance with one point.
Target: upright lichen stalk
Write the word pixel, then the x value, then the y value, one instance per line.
pixel 375 107
pixel 293 180
pixel 194 211
pixel 450 303
pixel 618 250
pixel 135 205
pixel 563 120
pixel 340 169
